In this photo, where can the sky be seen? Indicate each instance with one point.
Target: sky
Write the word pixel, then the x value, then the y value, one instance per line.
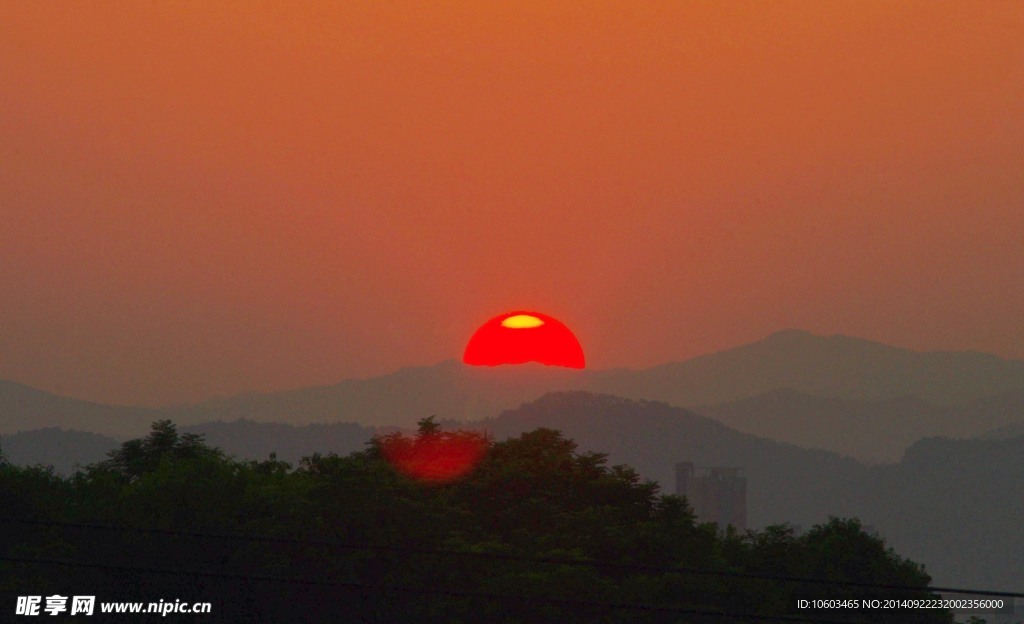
pixel 204 198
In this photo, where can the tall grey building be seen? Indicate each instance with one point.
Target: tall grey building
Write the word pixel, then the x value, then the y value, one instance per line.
pixel 716 494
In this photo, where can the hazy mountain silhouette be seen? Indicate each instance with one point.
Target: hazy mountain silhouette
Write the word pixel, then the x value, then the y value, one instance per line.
pixel 56 447
pixel 245 439
pixel 23 408
pixel 784 481
pixel 242 439
pixel 955 505
pixel 834 366
pixel 872 431
pixel 1015 430
pixel 449 389
pixel 825 366
pixel 649 436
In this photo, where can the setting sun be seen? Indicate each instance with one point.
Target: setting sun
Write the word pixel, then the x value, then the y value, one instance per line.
pixel 520 337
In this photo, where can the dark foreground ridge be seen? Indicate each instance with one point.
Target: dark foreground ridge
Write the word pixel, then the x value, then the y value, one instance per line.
pixel 153 520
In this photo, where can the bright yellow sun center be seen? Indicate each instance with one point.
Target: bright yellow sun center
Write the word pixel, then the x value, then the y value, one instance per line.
pixel 522 321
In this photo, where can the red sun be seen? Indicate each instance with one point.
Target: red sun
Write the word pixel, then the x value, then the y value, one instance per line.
pixel 520 337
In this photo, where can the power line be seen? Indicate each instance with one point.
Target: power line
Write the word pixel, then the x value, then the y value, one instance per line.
pixel 520 558
pixel 625 606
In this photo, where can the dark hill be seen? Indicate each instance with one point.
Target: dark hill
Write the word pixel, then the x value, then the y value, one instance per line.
pixel 1015 430
pixel 872 431
pixel 784 481
pixel 955 505
pixel 23 408
pixel 242 439
pixel 64 450
pixel 245 439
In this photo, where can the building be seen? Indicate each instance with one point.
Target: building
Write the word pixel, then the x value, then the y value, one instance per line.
pixel 716 494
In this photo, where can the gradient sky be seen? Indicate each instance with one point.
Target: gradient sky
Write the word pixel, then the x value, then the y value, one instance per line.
pixel 202 198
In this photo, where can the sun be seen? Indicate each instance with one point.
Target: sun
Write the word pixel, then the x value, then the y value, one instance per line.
pixel 519 337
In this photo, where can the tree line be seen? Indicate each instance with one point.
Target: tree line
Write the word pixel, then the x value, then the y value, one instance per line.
pixel 536 531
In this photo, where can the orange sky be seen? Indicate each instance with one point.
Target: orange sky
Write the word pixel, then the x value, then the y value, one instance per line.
pixel 201 198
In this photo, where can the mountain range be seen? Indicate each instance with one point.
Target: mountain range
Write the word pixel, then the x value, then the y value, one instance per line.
pixel 832 367
pixel 837 367
pixel 23 408
pixel 871 431
pixel 825 366
pixel 954 505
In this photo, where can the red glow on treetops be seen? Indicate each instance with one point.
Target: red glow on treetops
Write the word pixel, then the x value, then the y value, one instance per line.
pixel 434 456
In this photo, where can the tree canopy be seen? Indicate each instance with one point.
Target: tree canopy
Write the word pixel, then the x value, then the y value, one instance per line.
pixel 537 531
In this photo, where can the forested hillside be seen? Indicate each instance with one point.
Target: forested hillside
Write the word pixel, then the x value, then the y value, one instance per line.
pixel 538 532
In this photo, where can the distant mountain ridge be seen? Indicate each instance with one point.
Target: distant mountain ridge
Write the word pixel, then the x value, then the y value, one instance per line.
pixel 648 435
pixel 871 431
pixel 245 439
pixel 1015 430
pixel 652 437
pixel 23 408
pixel 449 389
pixel 955 505
pixel 826 366
pixel 831 367
pixel 64 450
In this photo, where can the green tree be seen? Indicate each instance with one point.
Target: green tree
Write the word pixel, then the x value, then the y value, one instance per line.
pixel 356 520
pixel 137 457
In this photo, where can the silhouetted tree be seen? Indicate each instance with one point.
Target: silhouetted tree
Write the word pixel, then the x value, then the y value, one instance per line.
pixel 137 457
pixel 372 530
